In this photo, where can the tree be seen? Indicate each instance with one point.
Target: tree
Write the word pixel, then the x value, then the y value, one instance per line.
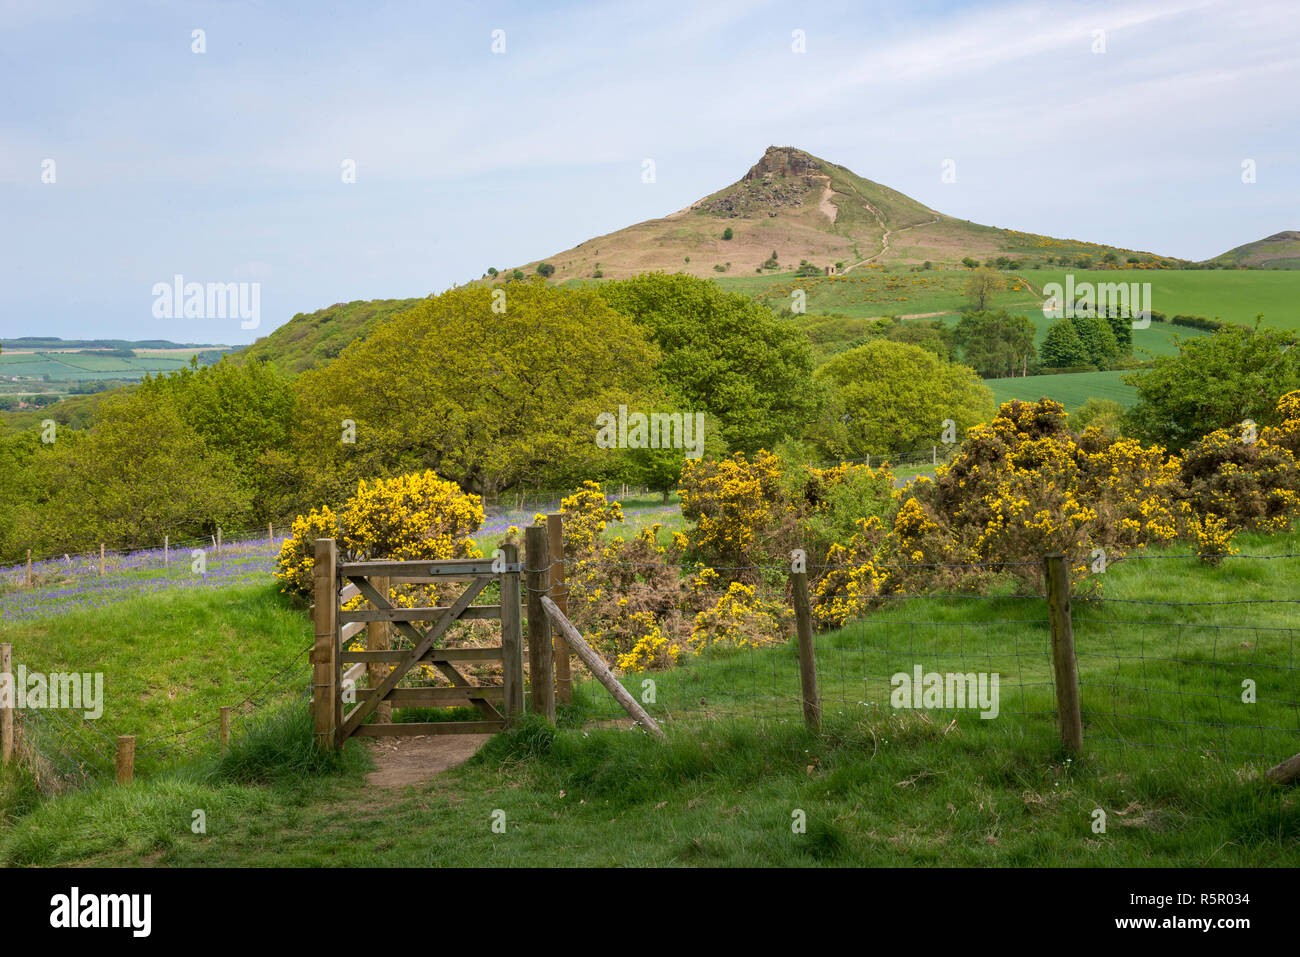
pixel 1098 339
pixel 892 397
pixel 995 343
pixel 980 288
pixel 1106 414
pixel 1122 327
pixel 1215 382
pixel 488 399
pixel 140 473
pixel 545 270
pixel 725 355
pixel 931 335
pixel 969 263
pixel 1062 348
pixel 242 412
pixel 727 233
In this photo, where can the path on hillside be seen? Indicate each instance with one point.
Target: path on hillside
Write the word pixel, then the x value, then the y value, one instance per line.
pixel 885 230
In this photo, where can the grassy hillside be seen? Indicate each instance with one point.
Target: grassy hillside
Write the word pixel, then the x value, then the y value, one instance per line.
pixel 1279 251
pixel 308 339
pixel 803 207
pixel 1071 389
pixel 1231 295
pixel 171 658
pixel 1171 756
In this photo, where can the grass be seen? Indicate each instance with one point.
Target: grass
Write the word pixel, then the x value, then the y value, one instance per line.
pixel 170 660
pixel 1234 295
pixel 1161 693
pixel 1070 389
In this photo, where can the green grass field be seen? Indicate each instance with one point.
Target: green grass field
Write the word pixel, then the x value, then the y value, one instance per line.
pixel 1234 295
pixel 1172 755
pixel 170 659
pixel 70 366
pixel 1070 389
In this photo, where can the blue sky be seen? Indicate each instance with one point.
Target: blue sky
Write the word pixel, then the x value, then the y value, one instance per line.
pixel 226 165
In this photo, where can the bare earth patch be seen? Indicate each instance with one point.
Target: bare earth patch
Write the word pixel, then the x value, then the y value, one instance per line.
pixel 400 762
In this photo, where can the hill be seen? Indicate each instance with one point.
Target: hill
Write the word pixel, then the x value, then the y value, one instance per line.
pixel 1279 251
pixel 802 207
pixel 309 339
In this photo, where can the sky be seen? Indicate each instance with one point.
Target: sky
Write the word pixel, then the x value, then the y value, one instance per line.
pixel 1121 123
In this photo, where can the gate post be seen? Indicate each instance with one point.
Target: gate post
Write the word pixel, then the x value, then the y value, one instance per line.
pixel 324 653
pixel 512 638
pixel 377 639
pixel 540 652
pixel 559 593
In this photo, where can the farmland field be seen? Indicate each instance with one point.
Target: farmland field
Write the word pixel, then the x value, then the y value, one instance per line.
pixel 1070 389
pixel 77 366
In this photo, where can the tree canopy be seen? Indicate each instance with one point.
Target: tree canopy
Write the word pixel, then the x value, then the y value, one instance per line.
pixel 725 355
pixel 1215 382
pixel 487 397
pixel 893 397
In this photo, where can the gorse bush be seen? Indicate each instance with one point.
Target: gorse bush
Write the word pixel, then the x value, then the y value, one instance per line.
pixel 418 516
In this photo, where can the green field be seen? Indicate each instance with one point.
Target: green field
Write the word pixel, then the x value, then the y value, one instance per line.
pixel 73 367
pixel 1070 389
pixel 1172 755
pixel 1234 295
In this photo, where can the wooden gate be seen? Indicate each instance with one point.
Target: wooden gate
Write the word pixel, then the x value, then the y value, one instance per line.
pixel 334 688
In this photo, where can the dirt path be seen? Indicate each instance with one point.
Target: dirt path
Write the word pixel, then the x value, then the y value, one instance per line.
pixel 400 762
pixel 886 233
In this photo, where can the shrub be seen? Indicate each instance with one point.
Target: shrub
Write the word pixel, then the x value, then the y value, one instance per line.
pixel 418 516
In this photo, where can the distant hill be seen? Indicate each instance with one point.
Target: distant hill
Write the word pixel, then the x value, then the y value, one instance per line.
pixel 308 339
pixel 805 208
pixel 1279 251
pixel 54 344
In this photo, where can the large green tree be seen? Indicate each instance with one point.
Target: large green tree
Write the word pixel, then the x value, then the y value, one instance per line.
pixel 995 343
pixel 491 388
pixel 725 355
pixel 1215 382
pixel 243 412
pixel 139 473
pixel 1062 348
pixel 893 397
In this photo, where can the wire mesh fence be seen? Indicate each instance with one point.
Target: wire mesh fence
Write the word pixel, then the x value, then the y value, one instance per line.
pixel 1150 674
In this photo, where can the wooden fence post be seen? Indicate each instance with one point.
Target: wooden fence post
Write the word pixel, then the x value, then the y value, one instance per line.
pixel 812 704
pixel 270 532
pixel 324 652
pixel 512 638
pixel 125 758
pixel 560 595
pixel 101 559
pixel 225 727
pixel 166 550
pixel 218 541
pixel 29 568
pixel 7 711
pixel 601 671
pixel 377 639
pixel 1064 665
pixel 540 653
